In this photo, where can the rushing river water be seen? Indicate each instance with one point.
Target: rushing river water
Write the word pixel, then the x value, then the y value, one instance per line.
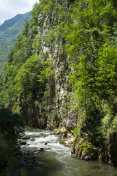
pixel 57 160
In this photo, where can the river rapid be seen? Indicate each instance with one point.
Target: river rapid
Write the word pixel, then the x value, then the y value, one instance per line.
pixel 56 160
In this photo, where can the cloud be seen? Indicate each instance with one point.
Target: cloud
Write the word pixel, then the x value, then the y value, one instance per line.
pixel 10 8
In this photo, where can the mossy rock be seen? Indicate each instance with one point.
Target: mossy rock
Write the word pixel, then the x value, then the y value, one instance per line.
pixel 63 130
pixel 62 142
pixel 56 131
pixel 83 149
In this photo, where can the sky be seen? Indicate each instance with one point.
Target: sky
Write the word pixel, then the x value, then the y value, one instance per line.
pixel 10 8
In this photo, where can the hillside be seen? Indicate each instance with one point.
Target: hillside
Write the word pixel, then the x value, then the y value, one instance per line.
pixel 9 31
pixel 62 73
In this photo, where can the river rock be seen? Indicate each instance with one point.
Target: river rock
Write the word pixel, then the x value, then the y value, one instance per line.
pixel 40 150
pixel 56 131
pixel 69 140
pixel 26 137
pixel 22 141
pixel 63 130
pixel 32 139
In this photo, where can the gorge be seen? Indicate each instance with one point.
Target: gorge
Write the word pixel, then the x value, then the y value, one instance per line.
pixel 61 75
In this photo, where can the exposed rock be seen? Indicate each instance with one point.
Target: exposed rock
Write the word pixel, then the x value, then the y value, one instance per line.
pixel 84 150
pixel 63 130
pixel 56 131
pixel 40 150
pixel 25 137
pixel 112 148
pixel 28 160
pixel 70 124
pixel 67 139
pixel 32 139
pixel 22 141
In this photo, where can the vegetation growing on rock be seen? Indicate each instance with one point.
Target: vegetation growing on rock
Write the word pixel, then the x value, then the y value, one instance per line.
pixel 64 67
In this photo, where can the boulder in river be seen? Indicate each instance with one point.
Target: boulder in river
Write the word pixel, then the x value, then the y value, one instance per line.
pixel 26 137
pixel 22 141
pixel 32 139
pixel 40 150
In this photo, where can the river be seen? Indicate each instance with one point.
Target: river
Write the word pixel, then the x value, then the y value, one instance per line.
pixel 56 160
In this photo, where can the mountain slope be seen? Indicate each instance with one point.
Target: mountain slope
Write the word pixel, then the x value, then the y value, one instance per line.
pixel 62 72
pixel 9 31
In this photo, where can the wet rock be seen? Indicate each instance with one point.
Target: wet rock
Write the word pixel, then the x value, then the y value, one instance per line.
pixel 64 135
pixel 112 148
pixel 84 150
pixel 48 148
pixel 72 151
pixel 56 131
pixel 22 141
pixel 32 139
pixel 26 137
pixel 68 139
pixel 46 143
pixel 40 150
pixel 28 159
pixel 63 130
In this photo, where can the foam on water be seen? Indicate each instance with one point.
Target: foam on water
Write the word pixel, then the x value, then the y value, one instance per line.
pixel 49 142
pixel 58 160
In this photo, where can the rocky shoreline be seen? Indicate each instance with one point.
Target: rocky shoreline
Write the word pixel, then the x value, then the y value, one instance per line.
pixel 28 159
pixel 80 149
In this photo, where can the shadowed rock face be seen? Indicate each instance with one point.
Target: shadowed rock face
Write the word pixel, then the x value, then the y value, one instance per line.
pixel 113 148
pixel 47 157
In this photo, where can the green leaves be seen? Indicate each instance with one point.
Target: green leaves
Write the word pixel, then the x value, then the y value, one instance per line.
pixel 8 35
pixel 77 38
pixel 107 66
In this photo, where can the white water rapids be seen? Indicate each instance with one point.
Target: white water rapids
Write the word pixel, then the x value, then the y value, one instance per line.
pixel 58 161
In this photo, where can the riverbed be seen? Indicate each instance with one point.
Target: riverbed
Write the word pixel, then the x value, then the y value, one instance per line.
pixel 56 160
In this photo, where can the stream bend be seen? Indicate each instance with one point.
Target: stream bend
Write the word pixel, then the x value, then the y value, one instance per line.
pixel 56 160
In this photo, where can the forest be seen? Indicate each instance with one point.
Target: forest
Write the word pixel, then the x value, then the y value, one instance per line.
pixel 62 72
pixel 9 31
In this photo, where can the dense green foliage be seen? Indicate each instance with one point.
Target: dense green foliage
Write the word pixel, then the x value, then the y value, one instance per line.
pixel 66 56
pixel 10 127
pixel 9 31
pixel 92 49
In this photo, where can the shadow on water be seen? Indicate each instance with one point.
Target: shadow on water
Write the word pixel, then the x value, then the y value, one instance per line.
pixel 44 165
pixel 56 159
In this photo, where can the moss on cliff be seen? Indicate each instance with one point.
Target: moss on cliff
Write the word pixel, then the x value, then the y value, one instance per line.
pixel 83 149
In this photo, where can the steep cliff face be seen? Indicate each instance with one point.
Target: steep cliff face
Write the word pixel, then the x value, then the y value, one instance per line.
pixel 62 72
pixel 39 68
pixel 50 42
